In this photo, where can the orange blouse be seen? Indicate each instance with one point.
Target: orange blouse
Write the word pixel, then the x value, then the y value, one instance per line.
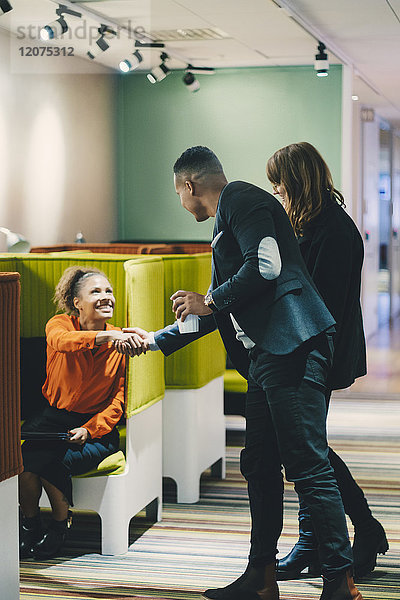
pixel 82 377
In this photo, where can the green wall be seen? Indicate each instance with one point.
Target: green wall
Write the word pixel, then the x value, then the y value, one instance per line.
pixel 244 115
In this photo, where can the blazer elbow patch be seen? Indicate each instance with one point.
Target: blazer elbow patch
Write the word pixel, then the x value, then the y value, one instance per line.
pixel 269 259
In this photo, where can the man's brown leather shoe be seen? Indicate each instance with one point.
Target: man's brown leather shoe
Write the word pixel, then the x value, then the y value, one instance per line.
pixel 341 588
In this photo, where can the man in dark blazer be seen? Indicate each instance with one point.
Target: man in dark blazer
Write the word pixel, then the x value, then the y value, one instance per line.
pixel 278 333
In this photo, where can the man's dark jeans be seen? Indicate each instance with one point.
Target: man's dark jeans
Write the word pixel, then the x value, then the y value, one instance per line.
pixel 354 501
pixel 286 425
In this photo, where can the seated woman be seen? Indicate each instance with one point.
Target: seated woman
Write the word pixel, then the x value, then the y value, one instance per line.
pixel 85 391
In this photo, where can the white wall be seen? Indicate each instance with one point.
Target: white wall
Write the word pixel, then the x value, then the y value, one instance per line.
pixel 57 159
pixel 349 156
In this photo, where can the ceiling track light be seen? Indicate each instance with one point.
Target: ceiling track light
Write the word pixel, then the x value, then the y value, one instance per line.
pixel 321 64
pixel 191 82
pixel 159 73
pixel 5 6
pixel 101 44
pixel 132 63
pixel 59 26
pixel 200 70
pixel 139 44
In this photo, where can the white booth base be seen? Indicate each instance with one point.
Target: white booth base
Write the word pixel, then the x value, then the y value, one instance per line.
pixel 193 436
pixel 9 551
pixel 118 498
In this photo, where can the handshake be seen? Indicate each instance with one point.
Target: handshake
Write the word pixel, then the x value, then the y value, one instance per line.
pixel 131 341
pixel 134 341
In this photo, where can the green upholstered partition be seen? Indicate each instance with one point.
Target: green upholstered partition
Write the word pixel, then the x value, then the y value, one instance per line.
pixel 191 367
pixel 203 360
pixel 145 298
pixel 7 263
pixel 40 274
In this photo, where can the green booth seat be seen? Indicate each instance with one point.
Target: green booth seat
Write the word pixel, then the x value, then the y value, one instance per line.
pixel 130 480
pixel 193 415
pixel 234 382
pixel 235 388
pixel 112 465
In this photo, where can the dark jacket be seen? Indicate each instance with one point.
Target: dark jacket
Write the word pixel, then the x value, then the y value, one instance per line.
pixel 277 314
pixel 333 251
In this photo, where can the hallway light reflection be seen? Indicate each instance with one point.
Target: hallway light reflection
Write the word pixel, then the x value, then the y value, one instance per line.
pixel 44 183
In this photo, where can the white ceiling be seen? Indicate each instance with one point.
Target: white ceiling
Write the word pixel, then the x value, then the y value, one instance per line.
pixel 362 33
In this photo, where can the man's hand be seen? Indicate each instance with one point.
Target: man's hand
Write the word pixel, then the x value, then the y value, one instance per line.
pixel 79 436
pixel 130 344
pixel 189 303
pixel 143 335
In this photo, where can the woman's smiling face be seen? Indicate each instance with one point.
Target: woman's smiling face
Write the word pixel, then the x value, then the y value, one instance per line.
pixel 96 299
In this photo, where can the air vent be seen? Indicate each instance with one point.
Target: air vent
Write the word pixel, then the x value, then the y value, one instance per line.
pixel 188 35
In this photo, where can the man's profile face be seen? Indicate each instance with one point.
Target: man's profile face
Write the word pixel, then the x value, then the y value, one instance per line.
pixel 192 203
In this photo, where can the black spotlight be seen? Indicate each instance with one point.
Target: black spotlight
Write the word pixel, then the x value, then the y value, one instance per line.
pixel 54 29
pixel 5 6
pixel 191 82
pixel 321 64
pixel 101 44
pixel 59 26
pixel 160 72
pixel 132 63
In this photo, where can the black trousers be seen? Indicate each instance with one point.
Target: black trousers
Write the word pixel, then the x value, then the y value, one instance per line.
pixel 286 426
pixel 57 461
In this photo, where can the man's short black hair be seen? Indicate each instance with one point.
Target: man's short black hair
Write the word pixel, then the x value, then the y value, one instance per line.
pixel 199 161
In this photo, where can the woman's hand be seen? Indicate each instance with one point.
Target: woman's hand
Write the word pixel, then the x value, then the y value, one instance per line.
pixel 143 335
pixel 130 344
pixel 79 436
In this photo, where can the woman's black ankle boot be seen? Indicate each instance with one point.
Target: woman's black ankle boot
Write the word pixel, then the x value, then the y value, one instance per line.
pixel 53 540
pixel 369 541
pixel 304 554
pixel 298 559
pixel 31 531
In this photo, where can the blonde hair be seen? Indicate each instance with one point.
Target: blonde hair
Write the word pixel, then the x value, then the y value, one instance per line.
pixel 69 286
pixel 305 176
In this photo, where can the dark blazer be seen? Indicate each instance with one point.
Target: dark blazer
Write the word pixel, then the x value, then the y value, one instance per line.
pixel 277 314
pixel 333 251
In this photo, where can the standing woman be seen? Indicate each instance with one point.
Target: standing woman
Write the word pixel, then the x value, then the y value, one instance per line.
pixel 333 251
pixel 85 391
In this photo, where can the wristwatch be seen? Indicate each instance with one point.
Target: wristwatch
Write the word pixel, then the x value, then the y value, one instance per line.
pixel 209 302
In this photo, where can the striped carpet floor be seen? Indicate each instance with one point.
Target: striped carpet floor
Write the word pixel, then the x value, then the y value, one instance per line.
pixel 206 544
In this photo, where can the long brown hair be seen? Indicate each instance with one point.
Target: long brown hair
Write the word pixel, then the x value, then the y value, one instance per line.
pixel 306 178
